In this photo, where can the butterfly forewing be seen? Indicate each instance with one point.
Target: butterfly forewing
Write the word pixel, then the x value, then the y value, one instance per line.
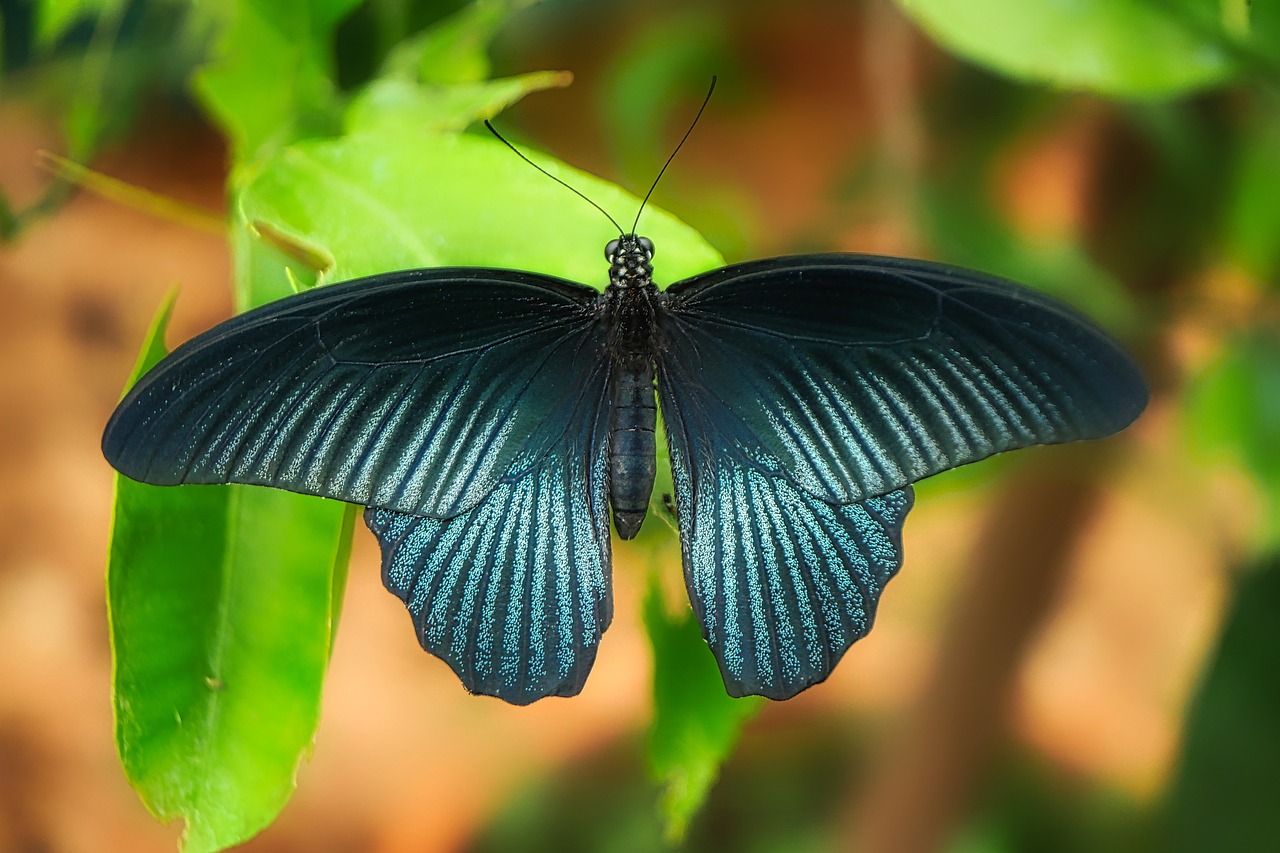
pixel 414 390
pixel 514 594
pixel 860 375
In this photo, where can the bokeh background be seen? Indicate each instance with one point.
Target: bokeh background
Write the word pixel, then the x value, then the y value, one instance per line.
pixel 1083 648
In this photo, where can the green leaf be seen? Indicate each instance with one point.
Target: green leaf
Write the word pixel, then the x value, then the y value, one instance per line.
pixel 1124 48
pixel 1233 414
pixel 273 79
pixel 1223 794
pixel 650 77
pixel 55 17
pixel 454 50
pixel 377 203
pixel 213 595
pixel 396 106
pixel 1253 217
pixel 1251 31
pixel 695 722
pixel 88 112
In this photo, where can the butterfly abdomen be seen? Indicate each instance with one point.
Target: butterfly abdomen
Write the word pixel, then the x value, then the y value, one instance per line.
pixel 632 461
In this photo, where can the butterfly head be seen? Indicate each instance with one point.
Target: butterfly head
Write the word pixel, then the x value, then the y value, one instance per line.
pixel 630 261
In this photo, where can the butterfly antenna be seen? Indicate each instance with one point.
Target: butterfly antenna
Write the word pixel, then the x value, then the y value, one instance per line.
pixel 571 189
pixel 663 170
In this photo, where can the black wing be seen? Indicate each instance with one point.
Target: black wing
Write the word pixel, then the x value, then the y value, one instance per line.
pixel 514 594
pixel 859 375
pixel 803 395
pixel 412 390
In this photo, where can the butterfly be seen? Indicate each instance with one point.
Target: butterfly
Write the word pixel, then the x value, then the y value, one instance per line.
pixel 493 421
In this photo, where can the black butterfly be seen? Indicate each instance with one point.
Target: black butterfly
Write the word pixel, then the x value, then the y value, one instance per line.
pixel 489 418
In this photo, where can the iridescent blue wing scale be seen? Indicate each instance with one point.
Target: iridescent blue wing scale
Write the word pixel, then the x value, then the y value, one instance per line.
pixel 412 390
pixel 860 374
pixel 514 593
pixel 802 397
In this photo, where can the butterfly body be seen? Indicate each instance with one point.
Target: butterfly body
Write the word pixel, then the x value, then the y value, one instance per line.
pixel 629 305
pixel 490 419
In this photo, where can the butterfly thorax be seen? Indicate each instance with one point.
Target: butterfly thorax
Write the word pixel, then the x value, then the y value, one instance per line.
pixel 628 301
pixel 628 305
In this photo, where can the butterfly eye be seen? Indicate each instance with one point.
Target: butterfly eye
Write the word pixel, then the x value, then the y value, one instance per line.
pixel 611 250
pixel 646 244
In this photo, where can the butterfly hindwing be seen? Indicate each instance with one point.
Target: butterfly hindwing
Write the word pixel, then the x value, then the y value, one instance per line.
pixel 514 593
pixel 413 390
pixel 781 581
pixel 862 374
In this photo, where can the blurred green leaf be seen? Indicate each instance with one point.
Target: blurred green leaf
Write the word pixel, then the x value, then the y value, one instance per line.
pixel 217 672
pixel 1252 221
pixel 86 117
pixel 1158 195
pixel 1031 804
pixel 92 64
pixel 393 106
pixel 272 81
pixel 652 76
pixel 9 220
pixel 1223 795
pixel 695 723
pixel 1125 48
pixel 106 85
pixel 1233 413
pixel 964 230
pixel 55 17
pixel 1251 31
pixel 454 50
